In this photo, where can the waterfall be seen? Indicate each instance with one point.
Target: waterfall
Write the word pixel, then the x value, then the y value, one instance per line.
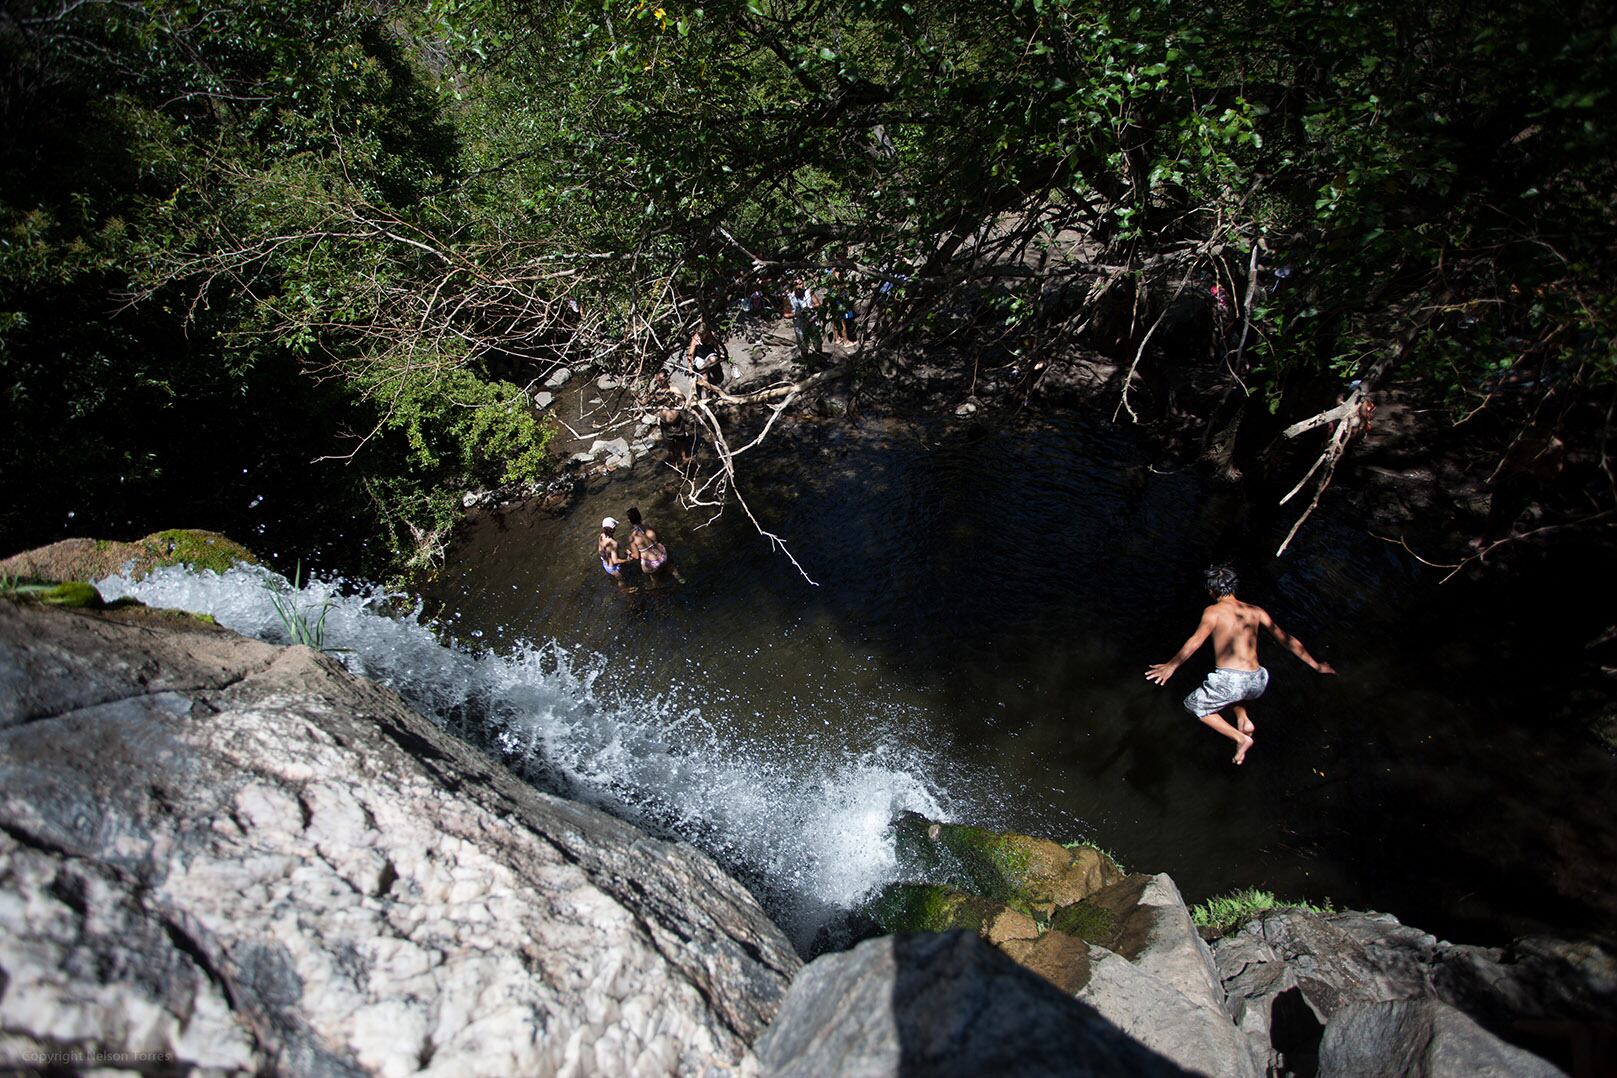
pixel 805 824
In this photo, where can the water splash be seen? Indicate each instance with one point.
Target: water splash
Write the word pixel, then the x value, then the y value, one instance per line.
pixel 804 824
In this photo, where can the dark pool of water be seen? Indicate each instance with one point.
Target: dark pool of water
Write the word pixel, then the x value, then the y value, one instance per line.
pixel 994 596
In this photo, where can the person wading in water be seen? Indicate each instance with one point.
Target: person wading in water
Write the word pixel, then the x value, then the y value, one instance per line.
pixel 606 545
pixel 650 550
pixel 1237 678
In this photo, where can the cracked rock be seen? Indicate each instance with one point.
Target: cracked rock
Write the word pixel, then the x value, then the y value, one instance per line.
pixel 240 857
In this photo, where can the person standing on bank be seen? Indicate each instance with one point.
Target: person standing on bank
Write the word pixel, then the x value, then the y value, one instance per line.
pixel 1237 677
pixel 802 307
pixel 705 357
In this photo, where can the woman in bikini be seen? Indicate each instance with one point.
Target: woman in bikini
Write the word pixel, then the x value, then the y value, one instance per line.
pixel 650 550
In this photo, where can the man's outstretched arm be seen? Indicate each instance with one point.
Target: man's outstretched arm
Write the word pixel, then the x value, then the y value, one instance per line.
pixel 1295 646
pixel 1161 672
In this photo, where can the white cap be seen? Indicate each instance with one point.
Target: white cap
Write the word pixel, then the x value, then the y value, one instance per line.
pixel 608 522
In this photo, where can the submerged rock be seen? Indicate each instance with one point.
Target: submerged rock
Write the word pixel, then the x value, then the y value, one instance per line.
pixel 235 856
pixel 615 453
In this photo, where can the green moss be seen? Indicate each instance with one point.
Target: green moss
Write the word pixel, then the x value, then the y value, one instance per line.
pixel 74 593
pixel 1020 871
pixel 1223 914
pixel 198 549
pixel 1086 920
pixel 929 907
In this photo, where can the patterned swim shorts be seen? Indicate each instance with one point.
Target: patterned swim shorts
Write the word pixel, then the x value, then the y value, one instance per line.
pixel 1225 686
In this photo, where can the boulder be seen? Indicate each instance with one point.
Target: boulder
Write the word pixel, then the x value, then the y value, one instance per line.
pixel 558 378
pixel 227 855
pixel 606 383
pixel 91 559
pixel 940 1005
pixel 1024 872
pixel 1150 926
pixel 1288 973
pixel 1151 1009
pixel 1421 1039
pixel 543 400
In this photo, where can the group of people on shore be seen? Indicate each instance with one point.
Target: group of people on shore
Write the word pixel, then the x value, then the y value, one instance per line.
pixel 644 550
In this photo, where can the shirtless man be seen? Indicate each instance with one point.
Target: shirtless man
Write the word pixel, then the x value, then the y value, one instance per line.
pixel 606 545
pixel 1237 678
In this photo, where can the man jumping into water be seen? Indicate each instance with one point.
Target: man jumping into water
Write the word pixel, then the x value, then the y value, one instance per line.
pixel 1237 677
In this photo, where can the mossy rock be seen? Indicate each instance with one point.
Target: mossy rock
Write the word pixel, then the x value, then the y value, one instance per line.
pixel 1087 920
pixel 929 907
pixel 92 559
pixel 1035 875
pixel 72 593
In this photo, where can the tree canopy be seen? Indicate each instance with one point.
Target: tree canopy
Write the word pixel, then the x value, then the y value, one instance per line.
pixel 352 230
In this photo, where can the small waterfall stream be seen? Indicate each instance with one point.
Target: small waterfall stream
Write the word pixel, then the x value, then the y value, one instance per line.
pixel 806 830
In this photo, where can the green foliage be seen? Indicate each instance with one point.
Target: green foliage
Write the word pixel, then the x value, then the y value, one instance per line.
pixel 485 430
pixel 327 230
pixel 1223 914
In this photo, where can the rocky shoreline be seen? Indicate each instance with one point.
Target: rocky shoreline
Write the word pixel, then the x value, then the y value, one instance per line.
pixel 223 856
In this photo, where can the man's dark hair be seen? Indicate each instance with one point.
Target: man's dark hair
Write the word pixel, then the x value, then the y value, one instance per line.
pixel 1221 579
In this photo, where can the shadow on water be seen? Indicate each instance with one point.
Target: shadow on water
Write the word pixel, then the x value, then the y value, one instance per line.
pixel 994 598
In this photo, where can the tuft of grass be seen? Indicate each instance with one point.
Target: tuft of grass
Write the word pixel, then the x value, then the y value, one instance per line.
pixel 1223 914
pixel 296 618
pixel 1097 847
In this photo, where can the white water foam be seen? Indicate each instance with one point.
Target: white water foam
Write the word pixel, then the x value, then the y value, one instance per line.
pixel 807 826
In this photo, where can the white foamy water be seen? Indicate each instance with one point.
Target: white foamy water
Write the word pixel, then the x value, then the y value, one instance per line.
pixel 807 822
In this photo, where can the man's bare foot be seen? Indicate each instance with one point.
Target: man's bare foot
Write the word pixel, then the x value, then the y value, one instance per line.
pixel 1245 743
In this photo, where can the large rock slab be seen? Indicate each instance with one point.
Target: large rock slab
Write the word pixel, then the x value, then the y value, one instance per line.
pixel 1152 928
pixel 1151 1009
pixel 224 854
pixel 940 1005
pixel 1419 1039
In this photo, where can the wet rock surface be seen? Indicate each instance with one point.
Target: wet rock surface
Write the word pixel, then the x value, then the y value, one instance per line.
pixel 230 855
